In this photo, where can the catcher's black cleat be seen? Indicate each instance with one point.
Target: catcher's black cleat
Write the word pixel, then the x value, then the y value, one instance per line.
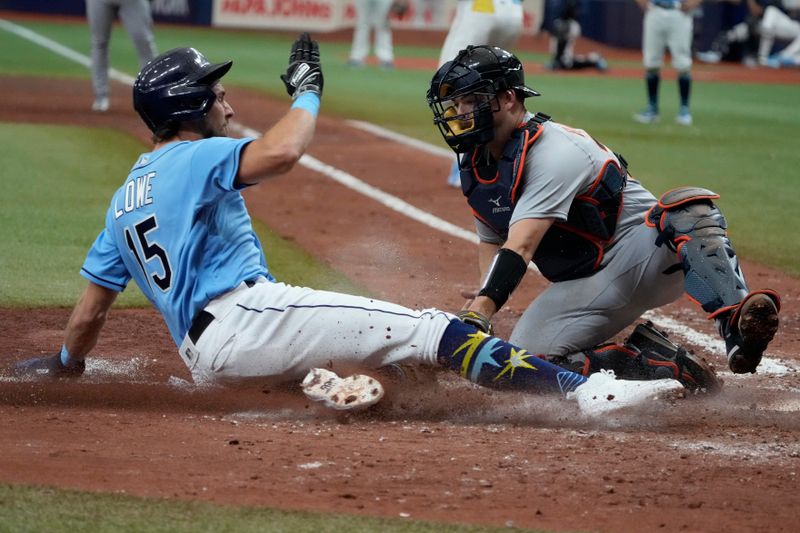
pixel 646 355
pixel 693 371
pixel 749 330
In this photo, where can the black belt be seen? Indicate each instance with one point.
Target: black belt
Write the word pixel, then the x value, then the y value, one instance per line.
pixel 199 325
pixel 204 318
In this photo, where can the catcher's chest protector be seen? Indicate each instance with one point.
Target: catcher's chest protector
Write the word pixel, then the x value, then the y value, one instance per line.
pixel 569 250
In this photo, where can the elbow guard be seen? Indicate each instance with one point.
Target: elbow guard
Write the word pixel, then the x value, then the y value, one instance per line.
pixel 504 275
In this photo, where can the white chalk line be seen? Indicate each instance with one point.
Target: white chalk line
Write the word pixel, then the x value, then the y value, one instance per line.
pixel 768 365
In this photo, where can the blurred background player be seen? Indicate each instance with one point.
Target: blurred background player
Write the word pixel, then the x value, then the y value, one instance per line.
pixel 491 22
pixel 564 32
pixel 740 41
pixel 373 15
pixel 751 40
pixel 667 25
pixel 138 21
pixel 777 24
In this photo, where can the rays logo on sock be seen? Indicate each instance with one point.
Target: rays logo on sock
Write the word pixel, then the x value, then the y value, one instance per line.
pixel 471 368
pixel 517 359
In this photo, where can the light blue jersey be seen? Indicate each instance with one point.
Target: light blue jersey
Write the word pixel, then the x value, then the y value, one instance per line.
pixel 179 227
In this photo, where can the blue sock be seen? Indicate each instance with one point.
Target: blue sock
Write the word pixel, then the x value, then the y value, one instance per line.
pixel 685 88
pixel 495 363
pixel 652 80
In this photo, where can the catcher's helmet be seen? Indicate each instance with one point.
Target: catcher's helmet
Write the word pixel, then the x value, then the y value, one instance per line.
pixel 482 71
pixel 176 86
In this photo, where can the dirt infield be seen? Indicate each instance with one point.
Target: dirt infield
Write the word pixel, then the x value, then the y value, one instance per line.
pixel 436 448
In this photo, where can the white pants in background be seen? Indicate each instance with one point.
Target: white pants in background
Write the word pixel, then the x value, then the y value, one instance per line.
pixel 777 25
pixel 492 22
pixel 372 15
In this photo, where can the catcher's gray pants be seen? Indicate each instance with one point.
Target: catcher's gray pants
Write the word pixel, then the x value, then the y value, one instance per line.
pixel 570 316
pixel 280 331
pixel 138 22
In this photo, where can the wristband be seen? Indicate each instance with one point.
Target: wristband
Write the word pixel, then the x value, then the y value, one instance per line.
pixel 505 273
pixel 309 101
pixel 64 355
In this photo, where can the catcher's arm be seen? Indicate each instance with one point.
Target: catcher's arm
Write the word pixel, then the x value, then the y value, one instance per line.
pixel 83 329
pixel 506 268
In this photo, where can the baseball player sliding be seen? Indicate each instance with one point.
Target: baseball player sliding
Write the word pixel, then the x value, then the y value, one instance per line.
pixel 550 193
pixel 178 227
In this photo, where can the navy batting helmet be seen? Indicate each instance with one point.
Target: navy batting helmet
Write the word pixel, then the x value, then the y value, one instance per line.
pixel 176 86
pixel 482 71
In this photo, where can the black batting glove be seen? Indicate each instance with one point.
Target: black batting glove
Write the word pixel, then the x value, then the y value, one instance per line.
pixel 50 366
pixel 304 73
pixel 476 319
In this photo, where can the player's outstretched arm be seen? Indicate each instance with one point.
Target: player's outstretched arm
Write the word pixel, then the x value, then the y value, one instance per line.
pixel 83 329
pixel 277 151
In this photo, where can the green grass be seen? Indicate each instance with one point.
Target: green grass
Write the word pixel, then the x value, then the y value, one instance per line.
pixel 60 197
pixel 35 509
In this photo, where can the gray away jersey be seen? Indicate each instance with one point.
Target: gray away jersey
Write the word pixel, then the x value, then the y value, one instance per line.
pixel 561 164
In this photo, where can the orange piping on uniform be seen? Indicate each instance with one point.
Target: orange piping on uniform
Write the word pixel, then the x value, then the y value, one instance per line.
pixel 527 144
pixel 478 176
pixel 693 300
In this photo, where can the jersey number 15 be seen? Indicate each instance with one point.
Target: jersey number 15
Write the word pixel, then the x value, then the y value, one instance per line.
pixel 151 251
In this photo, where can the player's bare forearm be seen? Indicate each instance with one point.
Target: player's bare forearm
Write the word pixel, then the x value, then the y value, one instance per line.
pixel 643 4
pixel 525 235
pixel 87 320
pixel 279 149
pixel 486 252
pixel 482 304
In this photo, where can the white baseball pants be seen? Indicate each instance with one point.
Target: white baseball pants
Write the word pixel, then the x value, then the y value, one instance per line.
pixel 277 330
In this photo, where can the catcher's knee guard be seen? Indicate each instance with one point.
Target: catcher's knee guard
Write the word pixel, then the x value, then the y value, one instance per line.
pixel 691 224
pixel 647 354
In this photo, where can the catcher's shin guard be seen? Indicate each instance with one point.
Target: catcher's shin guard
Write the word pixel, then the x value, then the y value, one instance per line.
pixel 495 363
pixel 691 224
pixel 646 355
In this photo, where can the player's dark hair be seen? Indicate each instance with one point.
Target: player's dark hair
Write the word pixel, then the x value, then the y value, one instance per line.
pixel 166 131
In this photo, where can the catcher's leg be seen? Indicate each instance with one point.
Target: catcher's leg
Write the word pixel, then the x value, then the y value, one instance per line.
pixel 647 354
pixel 692 225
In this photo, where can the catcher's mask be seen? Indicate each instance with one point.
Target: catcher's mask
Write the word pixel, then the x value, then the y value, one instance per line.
pixel 175 87
pixel 463 94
